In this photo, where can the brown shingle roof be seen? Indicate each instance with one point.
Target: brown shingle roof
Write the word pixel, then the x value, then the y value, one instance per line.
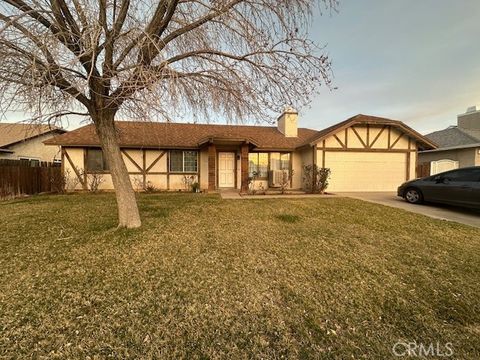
pixel 180 135
pixel 11 133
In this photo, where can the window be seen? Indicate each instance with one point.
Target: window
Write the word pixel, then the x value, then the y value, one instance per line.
pixel 96 161
pixel 183 161
pixel 258 162
pixel 464 175
pixel 32 162
pixel 279 161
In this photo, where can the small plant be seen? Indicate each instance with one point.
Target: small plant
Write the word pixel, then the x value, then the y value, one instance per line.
pixel 138 183
pixel 150 188
pixel 188 181
pixel 286 179
pixel 65 182
pixel 58 181
pixel 71 181
pixel 196 187
pixel 315 179
pixel 251 182
pixel 94 181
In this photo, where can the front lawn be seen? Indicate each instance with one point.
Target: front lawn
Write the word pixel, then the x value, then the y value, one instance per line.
pixel 211 278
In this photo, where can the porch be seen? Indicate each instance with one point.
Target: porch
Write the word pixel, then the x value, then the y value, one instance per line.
pixel 231 165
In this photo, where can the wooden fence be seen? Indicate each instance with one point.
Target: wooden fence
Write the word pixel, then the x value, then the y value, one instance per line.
pixel 423 169
pixel 19 177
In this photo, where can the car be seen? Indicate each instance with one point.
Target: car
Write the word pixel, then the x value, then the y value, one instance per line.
pixel 460 187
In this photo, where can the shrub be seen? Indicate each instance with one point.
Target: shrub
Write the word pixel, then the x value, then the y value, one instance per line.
pixel 150 188
pixel 196 187
pixel 188 181
pixel 285 181
pixel 315 179
pixel 94 181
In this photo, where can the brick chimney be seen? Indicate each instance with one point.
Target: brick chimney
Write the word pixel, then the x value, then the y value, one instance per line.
pixel 470 120
pixel 287 122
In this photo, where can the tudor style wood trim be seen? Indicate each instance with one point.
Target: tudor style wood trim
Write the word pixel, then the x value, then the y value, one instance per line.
pixel 396 141
pixel 389 136
pixel 131 160
pixel 75 170
pixel 359 137
pixel 346 137
pixel 62 159
pixel 156 161
pixel 378 136
pixel 339 141
pixel 368 135
pixel 408 165
pixel 144 168
pixel 323 154
pixel 371 150
pixel 168 170
pixel 85 154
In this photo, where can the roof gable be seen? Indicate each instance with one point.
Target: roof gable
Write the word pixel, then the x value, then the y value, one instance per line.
pixel 371 120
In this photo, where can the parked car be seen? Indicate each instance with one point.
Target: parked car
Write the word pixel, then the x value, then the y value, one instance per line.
pixel 460 187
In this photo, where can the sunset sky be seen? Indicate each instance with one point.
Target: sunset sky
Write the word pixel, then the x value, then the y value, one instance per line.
pixel 411 60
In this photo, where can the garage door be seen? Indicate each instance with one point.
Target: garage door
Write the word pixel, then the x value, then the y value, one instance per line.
pixel 352 171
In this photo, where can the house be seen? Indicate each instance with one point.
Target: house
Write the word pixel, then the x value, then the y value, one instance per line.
pixel 458 146
pixel 25 142
pixel 364 153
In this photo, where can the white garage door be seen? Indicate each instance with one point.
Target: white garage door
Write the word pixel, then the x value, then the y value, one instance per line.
pixel 352 171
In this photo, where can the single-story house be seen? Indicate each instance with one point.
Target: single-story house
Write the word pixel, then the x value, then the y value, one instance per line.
pixel 364 153
pixel 25 142
pixel 458 146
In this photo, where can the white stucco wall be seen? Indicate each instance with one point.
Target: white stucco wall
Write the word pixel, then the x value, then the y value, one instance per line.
pixel 34 148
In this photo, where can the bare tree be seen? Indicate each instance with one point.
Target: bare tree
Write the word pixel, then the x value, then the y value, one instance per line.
pixel 149 59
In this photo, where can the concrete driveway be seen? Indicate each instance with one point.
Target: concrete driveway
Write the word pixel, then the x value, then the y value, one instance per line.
pixel 443 212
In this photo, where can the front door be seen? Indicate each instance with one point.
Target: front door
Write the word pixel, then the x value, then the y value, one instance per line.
pixel 226 169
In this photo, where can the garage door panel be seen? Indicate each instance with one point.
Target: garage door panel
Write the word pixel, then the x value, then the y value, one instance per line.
pixel 365 171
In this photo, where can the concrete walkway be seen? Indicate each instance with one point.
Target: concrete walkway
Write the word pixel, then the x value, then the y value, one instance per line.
pixel 443 212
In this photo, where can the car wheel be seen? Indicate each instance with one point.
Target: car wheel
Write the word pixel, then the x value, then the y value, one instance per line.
pixel 413 196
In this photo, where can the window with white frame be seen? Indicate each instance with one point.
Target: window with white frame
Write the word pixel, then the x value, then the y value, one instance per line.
pixel 279 161
pixel 258 164
pixel 183 161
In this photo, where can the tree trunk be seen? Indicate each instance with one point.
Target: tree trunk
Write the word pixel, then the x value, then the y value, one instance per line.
pixel 128 214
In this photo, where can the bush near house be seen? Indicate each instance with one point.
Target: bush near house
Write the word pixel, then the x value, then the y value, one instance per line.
pixel 206 278
pixel 315 178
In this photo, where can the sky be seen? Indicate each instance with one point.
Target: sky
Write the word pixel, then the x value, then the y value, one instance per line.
pixel 413 60
pixel 410 60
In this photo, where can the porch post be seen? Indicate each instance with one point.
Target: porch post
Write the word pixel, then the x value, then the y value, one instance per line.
pixel 244 168
pixel 212 157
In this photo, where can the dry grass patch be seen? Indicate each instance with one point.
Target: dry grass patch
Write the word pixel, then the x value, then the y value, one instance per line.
pixel 207 278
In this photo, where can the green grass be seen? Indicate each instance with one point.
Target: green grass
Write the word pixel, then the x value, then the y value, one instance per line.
pixel 207 278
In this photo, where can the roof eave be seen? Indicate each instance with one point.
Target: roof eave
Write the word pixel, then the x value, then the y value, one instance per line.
pixel 459 147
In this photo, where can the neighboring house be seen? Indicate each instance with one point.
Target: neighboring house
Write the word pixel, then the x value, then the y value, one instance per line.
pixel 458 146
pixel 364 153
pixel 25 142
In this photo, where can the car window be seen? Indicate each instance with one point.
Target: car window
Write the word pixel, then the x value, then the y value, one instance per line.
pixel 463 175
